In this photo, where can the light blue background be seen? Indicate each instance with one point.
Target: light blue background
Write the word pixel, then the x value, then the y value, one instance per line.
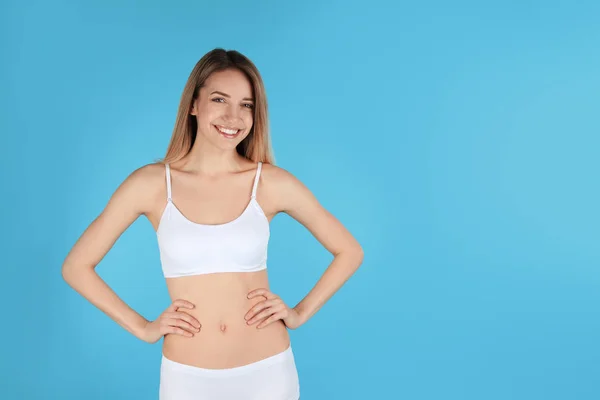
pixel 457 141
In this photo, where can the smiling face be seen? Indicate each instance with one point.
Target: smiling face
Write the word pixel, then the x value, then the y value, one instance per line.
pixel 224 109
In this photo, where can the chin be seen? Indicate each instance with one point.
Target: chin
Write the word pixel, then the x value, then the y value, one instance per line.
pixel 226 144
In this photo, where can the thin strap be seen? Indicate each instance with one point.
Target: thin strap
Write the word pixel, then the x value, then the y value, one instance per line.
pixel 168 173
pixel 256 179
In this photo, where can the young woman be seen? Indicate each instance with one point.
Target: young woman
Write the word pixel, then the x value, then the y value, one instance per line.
pixel 211 200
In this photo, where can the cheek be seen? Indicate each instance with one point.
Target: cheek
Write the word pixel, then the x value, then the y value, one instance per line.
pixel 208 109
pixel 207 117
pixel 249 119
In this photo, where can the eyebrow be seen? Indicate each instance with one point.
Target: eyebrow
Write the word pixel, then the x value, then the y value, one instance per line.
pixel 228 96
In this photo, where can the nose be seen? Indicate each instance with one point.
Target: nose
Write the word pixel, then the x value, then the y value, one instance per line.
pixel 233 115
pixel 233 111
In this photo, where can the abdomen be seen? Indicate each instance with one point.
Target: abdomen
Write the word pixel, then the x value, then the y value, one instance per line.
pixel 224 340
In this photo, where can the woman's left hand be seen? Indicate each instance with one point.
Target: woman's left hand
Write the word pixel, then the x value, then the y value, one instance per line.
pixel 273 309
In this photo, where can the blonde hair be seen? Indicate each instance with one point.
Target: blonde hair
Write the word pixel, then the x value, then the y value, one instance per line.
pixel 257 145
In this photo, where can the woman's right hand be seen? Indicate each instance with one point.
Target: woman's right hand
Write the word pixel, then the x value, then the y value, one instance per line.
pixel 172 321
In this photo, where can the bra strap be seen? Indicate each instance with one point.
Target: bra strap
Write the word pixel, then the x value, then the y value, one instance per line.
pixel 168 174
pixel 256 179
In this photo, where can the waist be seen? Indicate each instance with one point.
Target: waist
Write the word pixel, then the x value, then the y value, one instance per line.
pixel 234 346
pixel 225 339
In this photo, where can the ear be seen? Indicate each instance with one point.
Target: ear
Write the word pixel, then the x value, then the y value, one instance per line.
pixel 193 110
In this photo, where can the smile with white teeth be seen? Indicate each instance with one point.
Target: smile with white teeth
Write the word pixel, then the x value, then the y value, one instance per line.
pixel 227 131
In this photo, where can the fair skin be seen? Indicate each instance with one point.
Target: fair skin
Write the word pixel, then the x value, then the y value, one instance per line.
pixel 214 166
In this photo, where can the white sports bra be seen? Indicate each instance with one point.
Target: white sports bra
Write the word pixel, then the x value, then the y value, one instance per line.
pixel 187 248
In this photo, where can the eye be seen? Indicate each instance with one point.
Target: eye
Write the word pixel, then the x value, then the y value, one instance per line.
pixel 217 99
pixel 249 105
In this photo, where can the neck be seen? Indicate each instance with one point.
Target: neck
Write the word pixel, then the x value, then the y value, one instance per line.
pixel 210 160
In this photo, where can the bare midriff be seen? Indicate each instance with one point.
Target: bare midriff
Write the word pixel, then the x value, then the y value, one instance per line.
pixel 225 339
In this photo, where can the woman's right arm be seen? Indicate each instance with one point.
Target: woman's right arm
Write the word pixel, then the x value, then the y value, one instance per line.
pixel 135 196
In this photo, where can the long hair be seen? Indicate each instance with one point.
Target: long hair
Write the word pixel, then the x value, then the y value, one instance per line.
pixel 257 145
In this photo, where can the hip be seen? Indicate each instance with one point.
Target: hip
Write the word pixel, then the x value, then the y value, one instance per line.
pixel 271 378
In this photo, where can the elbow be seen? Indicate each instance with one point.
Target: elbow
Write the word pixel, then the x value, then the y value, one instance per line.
pixel 70 272
pixel 66 272
pixel 352 250
pixel 360 254
pixel 357 253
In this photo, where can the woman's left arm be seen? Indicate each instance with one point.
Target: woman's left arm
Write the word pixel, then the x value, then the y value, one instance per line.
pixel 298 202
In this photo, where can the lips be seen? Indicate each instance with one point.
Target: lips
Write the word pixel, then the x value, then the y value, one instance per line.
pixel 227 132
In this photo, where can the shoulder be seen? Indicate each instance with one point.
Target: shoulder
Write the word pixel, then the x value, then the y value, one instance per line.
pixel 146 177
pixel 287 190
pixel 279 177
pixel 142 187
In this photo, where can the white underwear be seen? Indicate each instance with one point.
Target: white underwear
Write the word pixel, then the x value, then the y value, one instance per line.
pixel 272 378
